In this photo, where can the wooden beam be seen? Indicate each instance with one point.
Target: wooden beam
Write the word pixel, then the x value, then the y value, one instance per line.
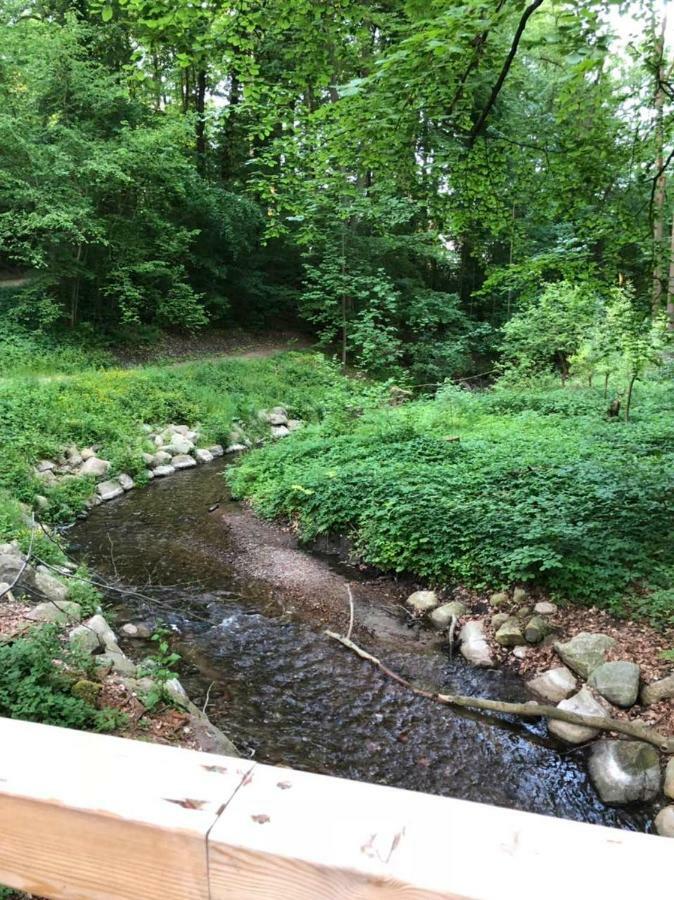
pixel 92 817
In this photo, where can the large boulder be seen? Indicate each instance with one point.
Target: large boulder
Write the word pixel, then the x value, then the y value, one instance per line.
pixel 126 481
pixel 664 822
pixel 474 645
pixel 583 703
pixel 279 431
pixel 554 685
pixel 625 771
pixel 277 416
pixel 658 690
pixel 179 445
pixel 442 616
pixel 423 601
pixel 585 652
pixel 95 467
pixel 61 613
pixel 203 456
pixel 107 638
pixel 85 640
pixel 109 490
pixel 510 634
pixel 217 450
pixel 617 682
pixel 163 471
pixel 183 461
pixel 48 586
pixel 116 662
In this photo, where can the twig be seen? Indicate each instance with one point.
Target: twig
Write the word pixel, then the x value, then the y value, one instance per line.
pixel 351 612
pixel 208 697
pixel 527 710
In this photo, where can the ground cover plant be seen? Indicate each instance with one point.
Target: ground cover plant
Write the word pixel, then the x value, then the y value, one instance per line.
pixel 536 486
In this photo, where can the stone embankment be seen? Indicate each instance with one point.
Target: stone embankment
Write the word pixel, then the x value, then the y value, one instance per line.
pixel 585 681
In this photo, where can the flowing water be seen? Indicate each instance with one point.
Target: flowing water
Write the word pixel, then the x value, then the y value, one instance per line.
pixel 287 694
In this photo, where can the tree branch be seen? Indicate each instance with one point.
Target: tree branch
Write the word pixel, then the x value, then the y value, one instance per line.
pixel 479 125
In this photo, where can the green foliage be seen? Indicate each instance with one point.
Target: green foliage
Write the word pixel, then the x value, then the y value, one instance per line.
pixel 161 667
pixel 34 689
pixel 535 486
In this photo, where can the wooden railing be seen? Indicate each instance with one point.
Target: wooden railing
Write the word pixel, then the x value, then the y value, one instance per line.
pixel 102 818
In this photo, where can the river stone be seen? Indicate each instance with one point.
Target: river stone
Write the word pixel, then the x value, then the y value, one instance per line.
pixel 545 608
pixel 279 431
pixel 50 587
pixel 6 592
pixel 162 458
pixel 94 466
pixel 625 771
pixel 183 461
pixel 126 481
pixel 295 424
pixel 99 625
pixel 585 652
pixel 277 416
pixel 664 822
pixel 62 612
pixel 216 450
pixel 180 429
pixel 140 630
pixel 150 459
pixel 85 639
pixel 510 634
pixel 584 703
pixel 521 652
pixel 87 453
pixel 498 619
pixel 499 598
pixel 669 779
pixel 116 662
pixel 163 471
pixel 423 601
pixel 108 490
pixel 442 616
pixel 11 564
pixel 617 682
pixel 536 630
pixel 474 646
pixel 554 685
pixel 235 448
pixel 520 596
pixel 658 690
pixel 45 465
pixel 149 474
pixel 203 456
pixel 180 445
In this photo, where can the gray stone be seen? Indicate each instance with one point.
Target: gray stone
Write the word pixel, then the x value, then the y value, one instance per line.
pixel 279 431
pixel 11 564
pixel 474 646
pixel 183 461
pixel 86 640
pixel 149 474
pixel 150 459
pixel 584 703
pixel 216 450
pixel 617 682
pixel 520 596
pixel 536 630
pixel 423 601
pixel 62 612
pixel 669 780
pixel 545 608
pixel 41 502
pixel 116 662
pixel 181 429
pixel 295 424
pixel 108 639
pixel 585 652
pixel 94 466
pixel 510 634
pixel 521 652
pixel 6 594
pixel 277 416
pixel 48 478
pixel 162 458
pixel 163 471
pixel 498 619
pixel 126 481
pixel 554 685
pixel 442 616
pixel 664 822
pixel 45 465
pixel 50 587
pixel 499 598
pixel 87 453
pixel 234 448
pixel 203 456
pixel 658 690
pixel 140 630
pixel 625 771
pixel 108 490
pixel 180 444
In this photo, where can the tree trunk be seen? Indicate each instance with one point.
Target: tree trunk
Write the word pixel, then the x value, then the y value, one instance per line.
pixel 200 105
pixel 670 283
pixel 660 177
pixel 606 376
pixel 628 402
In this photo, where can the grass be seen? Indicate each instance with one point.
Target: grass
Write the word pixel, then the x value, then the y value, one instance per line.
pixel 490 489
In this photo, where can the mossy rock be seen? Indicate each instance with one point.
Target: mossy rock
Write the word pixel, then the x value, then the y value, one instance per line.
pixel 86 690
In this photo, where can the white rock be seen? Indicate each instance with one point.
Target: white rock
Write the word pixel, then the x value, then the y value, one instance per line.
pixel 108 490
pixel 279 431
pixel 584 703
pixel 87 453
pixel 149 474
pixel 669 780
pixel 94 466
pixel 163 471
pixel 183 461
pixel 216 450
pixel 180 429
pixel 149 459
pixel 203 456
pixel 234 448
pixel 423 601
pixel 45 465
pixel 277 416
pixel 180 444
pixel 545 608
pixel 664 822
pixel 99 625
pixel 126 482
pixel 50 587
pixel 474 646
pixel 61 613
pixel 554 685
pixel 162 458
pixel 520 652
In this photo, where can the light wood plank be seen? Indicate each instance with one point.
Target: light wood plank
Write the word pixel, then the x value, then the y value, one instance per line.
pixel 301 837
pixel 90 816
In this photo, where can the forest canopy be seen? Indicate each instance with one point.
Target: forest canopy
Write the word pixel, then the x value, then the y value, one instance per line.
pixel 404 177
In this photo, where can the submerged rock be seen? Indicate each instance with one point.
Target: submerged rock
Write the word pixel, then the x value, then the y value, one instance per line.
pixel 423 601
pixel 658 690
pixel 554 685
pixel 585 652
pixel 617 682
pixel 474 645
pixel 584 703
pixel 442 616
pixel 664 822
pixel 510 634
pixel 625 771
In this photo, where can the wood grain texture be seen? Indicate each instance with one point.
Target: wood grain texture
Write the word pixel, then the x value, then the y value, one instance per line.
pixel 91 816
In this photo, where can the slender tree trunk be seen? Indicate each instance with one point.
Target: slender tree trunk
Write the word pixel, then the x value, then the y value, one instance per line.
pixel 628 402
pixel 606 377
pixel 670 282
pixel 75 292
pixel 200 104
pixel 660 182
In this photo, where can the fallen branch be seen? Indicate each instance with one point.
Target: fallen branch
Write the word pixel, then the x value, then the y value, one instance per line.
pixel 351 612
pixel 527 710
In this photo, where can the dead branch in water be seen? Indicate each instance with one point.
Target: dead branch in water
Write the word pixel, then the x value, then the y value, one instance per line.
pixel 527 710
pixel 351 612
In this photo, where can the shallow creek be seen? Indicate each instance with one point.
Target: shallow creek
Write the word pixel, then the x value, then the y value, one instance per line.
pixel 250 608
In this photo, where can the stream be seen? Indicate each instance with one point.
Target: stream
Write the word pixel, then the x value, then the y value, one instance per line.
pixel 249 608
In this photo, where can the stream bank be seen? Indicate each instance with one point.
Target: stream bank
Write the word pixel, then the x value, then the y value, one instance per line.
pixel 249 607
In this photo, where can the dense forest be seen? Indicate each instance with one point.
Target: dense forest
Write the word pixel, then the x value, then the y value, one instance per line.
pixel 402 178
